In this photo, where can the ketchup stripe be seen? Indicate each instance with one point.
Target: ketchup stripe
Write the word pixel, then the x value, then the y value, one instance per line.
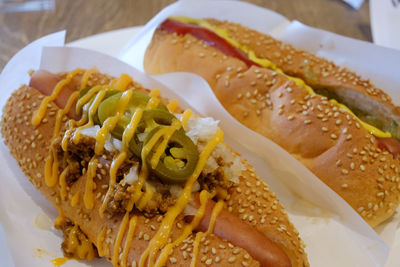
pixel 209 37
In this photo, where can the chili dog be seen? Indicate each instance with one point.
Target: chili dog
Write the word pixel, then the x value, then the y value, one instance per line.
pixel 337 124
pixel 115 202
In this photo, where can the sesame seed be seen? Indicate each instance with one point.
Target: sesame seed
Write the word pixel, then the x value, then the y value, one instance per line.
pixel 324 129
pixel 344 185
pixel 172 260
pixel 231 259
pixel 362 167
pixel 345 171
pixel 146 237
pixel 333 136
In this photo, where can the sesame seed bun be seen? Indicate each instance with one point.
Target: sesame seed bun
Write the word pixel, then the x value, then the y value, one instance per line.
pixel 250 200
pixel 322 136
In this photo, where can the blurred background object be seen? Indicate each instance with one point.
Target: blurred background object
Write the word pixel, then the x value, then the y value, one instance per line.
pixel 25 5
pixel 354 3
pixel 385 21
pixel 82 18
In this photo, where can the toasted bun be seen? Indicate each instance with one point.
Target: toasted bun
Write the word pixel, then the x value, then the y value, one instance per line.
pixel 251 200
pixel 326 139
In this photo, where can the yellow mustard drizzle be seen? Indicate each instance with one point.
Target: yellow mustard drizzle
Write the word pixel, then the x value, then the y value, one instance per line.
pixel 186 116
pixel 216 210
pixel 162 235
pixel 63 183
pixel 131 128
pixel 51 162
pixel 196 246
pixel 60 220
pixel 80 247
pixel 147 196
pixel 71 124
pixel 126 137
pixel 99 241
pixel 371 129
pixel 92 111
pixel 115 164
pixel 62 112
pixel 110 123
pixel 86 76
pixel 51 169
pixel 39 114
pixel 155 93
pixel 59 261
pixel 169 131
pixel 144 171
pixel 129 239
pixel 118 239
pixel 122 82
pixel 88 197
pixel 153 103
pixel 172 105
pixel 165 252
pixel 87 97
pixel 75 199
pixel 269 64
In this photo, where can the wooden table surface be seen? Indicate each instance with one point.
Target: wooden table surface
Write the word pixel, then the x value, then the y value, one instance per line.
pixel 82 18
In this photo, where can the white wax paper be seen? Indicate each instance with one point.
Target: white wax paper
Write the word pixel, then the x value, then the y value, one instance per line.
pixel 379 64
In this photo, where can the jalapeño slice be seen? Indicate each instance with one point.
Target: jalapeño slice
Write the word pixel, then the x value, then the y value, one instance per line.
pixel 151 119
pixel 108 107
pixel 179 159
pixel 108 94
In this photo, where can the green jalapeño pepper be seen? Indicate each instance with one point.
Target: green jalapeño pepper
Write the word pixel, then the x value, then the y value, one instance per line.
pixel 108 107
pixel 108 94
pixel 179 159
pixel 151 119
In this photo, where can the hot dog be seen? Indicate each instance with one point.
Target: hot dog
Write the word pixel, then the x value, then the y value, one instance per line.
pixel 104 212
pixel 338 125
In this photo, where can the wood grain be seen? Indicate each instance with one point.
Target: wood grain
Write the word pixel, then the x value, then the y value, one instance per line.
pixel 82 18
